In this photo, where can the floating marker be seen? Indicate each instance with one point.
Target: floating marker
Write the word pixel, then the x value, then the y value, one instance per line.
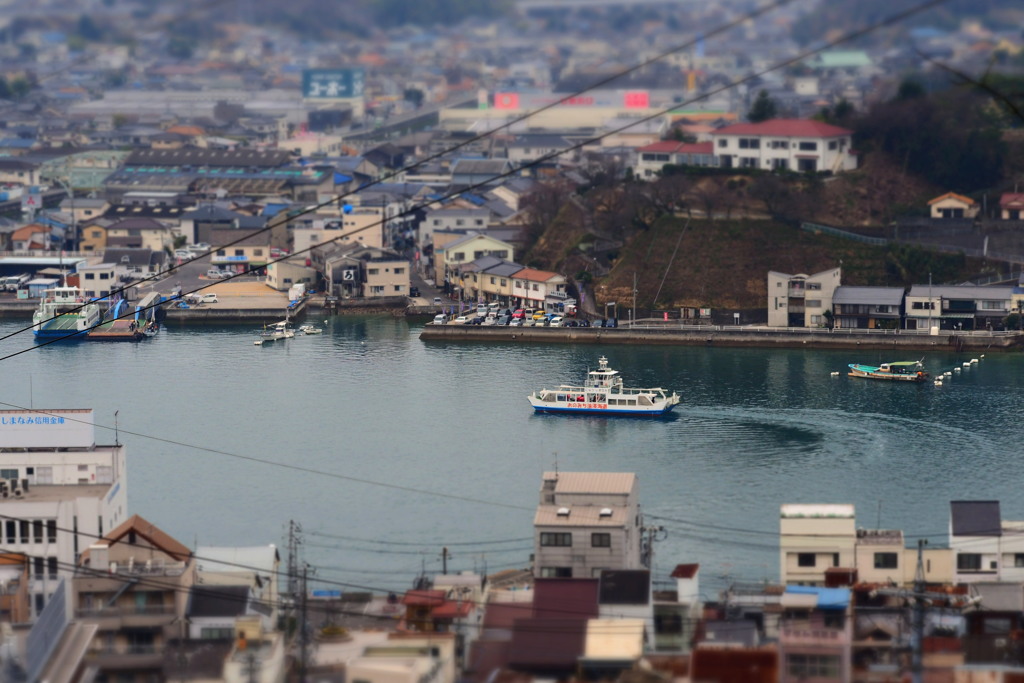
pixel 835 374
pixel 938 382
pixel 974 360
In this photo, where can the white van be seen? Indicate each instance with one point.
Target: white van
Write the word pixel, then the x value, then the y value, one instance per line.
pixel 440 319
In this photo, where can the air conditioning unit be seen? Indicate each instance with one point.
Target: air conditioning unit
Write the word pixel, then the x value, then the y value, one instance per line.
pixel 18 493
pixel 5 494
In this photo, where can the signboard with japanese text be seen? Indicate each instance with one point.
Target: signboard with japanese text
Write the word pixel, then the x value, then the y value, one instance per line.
pixel 47 429
pixel 329 84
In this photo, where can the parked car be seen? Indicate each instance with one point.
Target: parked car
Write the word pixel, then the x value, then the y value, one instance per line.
pixel 199 247
pixel 414 291
pixel 461 320
pixel 519 314
pixel 478 320
pixel 440 319
pixel 555 321
pixel 539 315
pixel 437 301
pixel 215 273
pixel 516 322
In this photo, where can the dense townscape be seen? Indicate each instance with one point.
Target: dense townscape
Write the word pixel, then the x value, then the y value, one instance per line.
pixel 668 172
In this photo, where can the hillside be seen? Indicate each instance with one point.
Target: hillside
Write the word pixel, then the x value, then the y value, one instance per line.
pixel 724 264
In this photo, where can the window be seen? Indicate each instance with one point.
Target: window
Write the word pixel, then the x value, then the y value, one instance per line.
pixel 814 303
pixel 96 234
pixel 398 288
pixel 1018 560
pixel 493 280
pixel 12 532
pixel 923 306
pixel 535 288
pixel 8 474
pixel 399 271
pixel 808 146
pixel 556 572
pixel 833 144
pixel 600 540
pixel 503 281
pixel 459 221
pixel 37 531
pixel 373 271
pixel 800 666
pixel 377 289
pixel 104 276
pixel 722 142
pixel 805 560
pixel 780 144
pixel 221 252
pixel 217 633
pixel 37 567
pixel 556 539
pixel 750 143
pixel 51 567
pixel 90 276
pixel 886 560
pixel 813 286
pixel 968 562
pixel 459 256
pixel 994 305
pixel 257 252
pixel 51 531
pixel 748 162
pixel 239 252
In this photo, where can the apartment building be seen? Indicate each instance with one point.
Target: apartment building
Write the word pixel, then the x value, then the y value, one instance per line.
pixel 60 492
pixel 801 300
pixel 587 522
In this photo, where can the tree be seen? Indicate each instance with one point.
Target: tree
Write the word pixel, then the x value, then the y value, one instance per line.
pixel 414 95
pixel 764 108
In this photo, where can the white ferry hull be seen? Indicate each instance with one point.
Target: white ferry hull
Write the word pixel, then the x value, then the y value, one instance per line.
pixel 603 393
pixel 601 409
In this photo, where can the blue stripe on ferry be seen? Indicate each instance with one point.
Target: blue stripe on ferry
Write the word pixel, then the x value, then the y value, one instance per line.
pixel 604 412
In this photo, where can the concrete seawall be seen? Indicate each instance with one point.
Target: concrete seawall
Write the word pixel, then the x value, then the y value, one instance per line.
pixel 736 337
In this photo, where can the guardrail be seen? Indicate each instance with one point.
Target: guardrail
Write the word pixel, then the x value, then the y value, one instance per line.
pixel 836 232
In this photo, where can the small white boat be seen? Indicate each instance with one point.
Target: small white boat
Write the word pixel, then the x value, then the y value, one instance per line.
pixel 603 393
pixel 900 371
pixel 276 332
pixel 310 329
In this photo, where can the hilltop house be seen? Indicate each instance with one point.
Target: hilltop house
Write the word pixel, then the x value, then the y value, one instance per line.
pixel 785 144
pixel 953 205
pixel 801 300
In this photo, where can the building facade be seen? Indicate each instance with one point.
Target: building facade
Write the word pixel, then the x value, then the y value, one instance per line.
pixel 785 145
pixel 587 522
pixel 61 491
pixel 801 300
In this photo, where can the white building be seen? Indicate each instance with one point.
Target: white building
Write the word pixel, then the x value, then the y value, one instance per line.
pixel 986 548
pixel 785 144
pixel 587 522
pixel 60 491
pixel 801 300
pixel 814 538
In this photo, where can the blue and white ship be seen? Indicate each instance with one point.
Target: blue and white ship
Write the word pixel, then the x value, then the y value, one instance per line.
pixel 603 393
pixel 64 314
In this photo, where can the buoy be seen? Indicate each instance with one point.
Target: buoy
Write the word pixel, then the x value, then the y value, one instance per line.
pixel 966 364
pixel 938 382
pixel 835 374
pixel 949 374
pixel 956 369
pixel 982 356
pixel 974 360
pixel 258 342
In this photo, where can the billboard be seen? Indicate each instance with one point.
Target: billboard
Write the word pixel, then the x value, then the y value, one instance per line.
pixel 629 99
pixel 47 429
pixel 329 84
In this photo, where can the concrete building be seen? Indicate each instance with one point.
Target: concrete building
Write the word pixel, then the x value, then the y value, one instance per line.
pixel 813 539
pixel 801 300
pixel 870 308
pixel 957 307
pixel 62 490
pixel 472 246
pixel 531 287
pixel 985 547
pixel 785 144
pixel 655 156
pixel 408 658
pixel 587 522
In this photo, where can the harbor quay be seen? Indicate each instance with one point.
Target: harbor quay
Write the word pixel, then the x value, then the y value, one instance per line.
pixel 729 336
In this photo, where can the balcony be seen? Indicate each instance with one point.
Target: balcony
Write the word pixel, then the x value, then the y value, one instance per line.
pixel 127 658
pixel 131 616
pixel 797 292
pixel 813 635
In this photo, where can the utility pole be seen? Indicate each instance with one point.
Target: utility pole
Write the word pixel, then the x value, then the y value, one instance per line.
pixel 632 318
pixel 919 597
pixel 294 539
pixel 444 560
pixel 303 630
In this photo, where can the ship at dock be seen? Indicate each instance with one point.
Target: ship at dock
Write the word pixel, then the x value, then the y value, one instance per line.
pixel 64 314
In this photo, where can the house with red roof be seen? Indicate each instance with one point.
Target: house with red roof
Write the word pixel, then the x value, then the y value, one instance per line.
pixel 652 158
pixel 952 205
pixel 1011 206
pixel 530 287
pixel 785 144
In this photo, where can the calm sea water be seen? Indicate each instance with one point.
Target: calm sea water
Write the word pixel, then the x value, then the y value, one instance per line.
pixel 449 426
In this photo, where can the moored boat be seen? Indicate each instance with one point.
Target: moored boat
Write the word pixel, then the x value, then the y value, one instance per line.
pixel 603 393
pixel 64 314
pixel 898 371
pixel 276 332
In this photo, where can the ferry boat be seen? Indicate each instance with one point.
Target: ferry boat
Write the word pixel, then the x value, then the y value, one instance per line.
pixel 603 393
pixel 64 313
pixel 899 371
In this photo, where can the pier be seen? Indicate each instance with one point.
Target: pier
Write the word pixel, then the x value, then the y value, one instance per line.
pixel 735 336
